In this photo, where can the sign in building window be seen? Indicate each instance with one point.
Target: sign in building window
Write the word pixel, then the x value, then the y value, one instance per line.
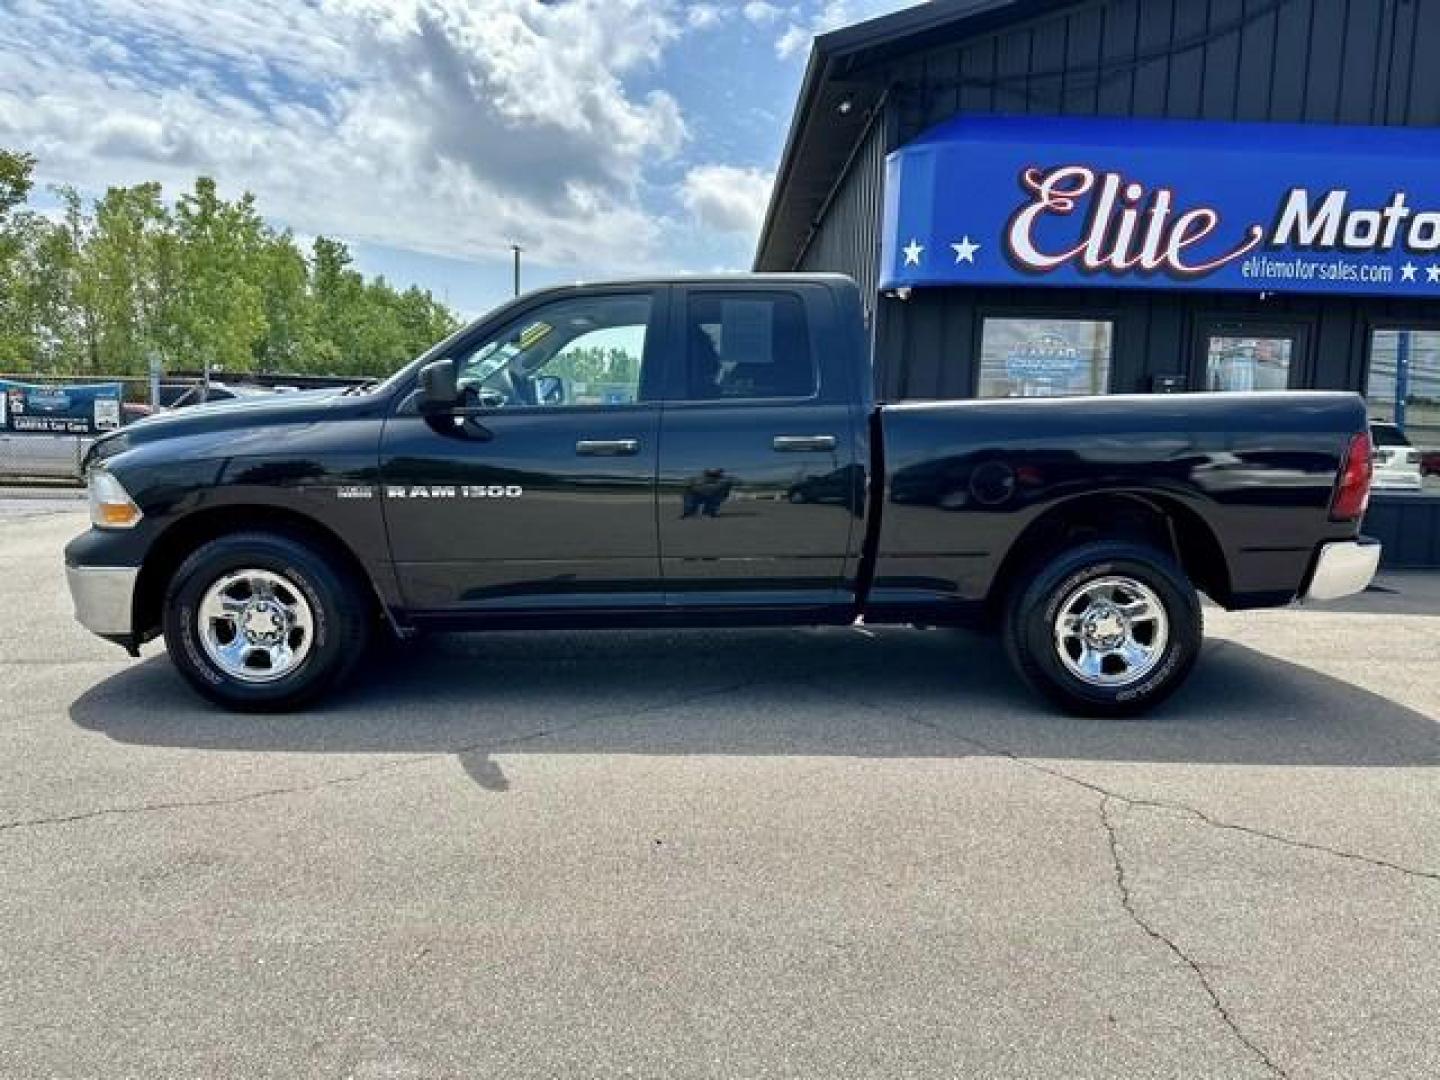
pixel 1248 363
pixel 1403 389
pixel 1022 357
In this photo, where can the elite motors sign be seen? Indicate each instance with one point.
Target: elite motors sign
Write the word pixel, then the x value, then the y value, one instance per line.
pixel 989 200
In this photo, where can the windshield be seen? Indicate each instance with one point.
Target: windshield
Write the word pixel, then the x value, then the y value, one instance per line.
pixel 1388 435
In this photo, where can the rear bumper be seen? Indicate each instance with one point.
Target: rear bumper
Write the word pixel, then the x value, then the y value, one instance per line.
pixel 104 598
pixel 1397 481
pixel 1343 568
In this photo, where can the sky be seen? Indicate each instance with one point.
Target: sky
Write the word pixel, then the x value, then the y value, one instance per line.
pixel 605 137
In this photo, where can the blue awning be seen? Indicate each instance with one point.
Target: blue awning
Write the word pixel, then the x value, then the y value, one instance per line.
pixel 1165 204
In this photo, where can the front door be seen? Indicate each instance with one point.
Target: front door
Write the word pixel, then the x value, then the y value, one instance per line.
pixel 542 495
pixel 1250 354
pixel 760 488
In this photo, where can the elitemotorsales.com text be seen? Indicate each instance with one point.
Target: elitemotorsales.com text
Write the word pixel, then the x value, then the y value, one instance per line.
pixel 1266 268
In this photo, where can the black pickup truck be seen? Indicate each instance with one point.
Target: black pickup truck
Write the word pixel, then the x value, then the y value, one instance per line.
pixel 706 452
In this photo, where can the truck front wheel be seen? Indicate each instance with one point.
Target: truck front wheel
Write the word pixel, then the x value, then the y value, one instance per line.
pixel 1109 628
pixel 259 621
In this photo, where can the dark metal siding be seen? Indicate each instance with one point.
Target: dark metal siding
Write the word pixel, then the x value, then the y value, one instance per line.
pixel 1408 526
pixel 1319 61
pixel 847 239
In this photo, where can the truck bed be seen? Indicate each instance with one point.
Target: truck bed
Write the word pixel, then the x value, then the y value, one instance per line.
pixel 1247 477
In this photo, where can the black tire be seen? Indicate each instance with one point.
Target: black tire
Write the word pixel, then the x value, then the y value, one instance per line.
pixel 337 606
pixel 1035 606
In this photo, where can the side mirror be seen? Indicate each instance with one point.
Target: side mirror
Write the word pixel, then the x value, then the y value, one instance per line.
pixel 438 388
pixel 550 390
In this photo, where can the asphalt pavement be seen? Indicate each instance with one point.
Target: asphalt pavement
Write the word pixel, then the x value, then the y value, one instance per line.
pixel 777 853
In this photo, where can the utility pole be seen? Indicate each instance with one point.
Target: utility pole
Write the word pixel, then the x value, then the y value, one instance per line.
pixel 1402 377
pixel 516 248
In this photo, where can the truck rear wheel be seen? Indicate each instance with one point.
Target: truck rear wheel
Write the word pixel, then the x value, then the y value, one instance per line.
pixel 1109 628
pixel 259 621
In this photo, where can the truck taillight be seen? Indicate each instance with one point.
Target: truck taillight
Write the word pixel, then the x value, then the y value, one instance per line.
pixel 1352 493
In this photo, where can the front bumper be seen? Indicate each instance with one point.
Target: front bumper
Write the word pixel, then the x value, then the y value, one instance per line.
pixel 104 599
pixel 1343 568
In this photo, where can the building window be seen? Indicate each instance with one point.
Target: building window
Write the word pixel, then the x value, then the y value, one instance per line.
pixel 1248 363
pixel 1045 357
pixel 1403 387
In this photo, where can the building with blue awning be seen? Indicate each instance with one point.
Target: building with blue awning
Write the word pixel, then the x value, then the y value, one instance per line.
pixel 1042 197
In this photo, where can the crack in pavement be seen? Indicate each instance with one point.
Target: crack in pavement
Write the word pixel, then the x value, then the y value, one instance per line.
pixel 1219 823
pixel 390 765
pixel 1127 901
pixel 1107 796
pixel 1162 804
pixel 1118 868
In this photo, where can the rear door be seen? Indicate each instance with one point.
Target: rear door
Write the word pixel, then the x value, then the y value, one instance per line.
pixel 541 496
pixel 761 483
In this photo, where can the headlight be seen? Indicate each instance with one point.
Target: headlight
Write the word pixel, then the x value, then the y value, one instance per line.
pixel 110 504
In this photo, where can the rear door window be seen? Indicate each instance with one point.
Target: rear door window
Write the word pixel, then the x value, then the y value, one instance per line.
pixel 747 346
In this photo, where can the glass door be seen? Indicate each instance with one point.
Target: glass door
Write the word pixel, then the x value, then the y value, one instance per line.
pixel 1245 354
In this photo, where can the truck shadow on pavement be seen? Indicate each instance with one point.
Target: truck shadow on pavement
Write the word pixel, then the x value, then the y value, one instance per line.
pixel 887 693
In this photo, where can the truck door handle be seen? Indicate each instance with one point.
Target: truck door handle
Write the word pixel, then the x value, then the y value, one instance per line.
pixel 800 443
pixel 608 447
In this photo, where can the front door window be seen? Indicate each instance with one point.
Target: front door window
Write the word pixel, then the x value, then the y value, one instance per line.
pixel 582 351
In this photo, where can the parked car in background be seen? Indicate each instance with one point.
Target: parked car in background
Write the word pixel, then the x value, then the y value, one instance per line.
pixel 201 393
pixel 1397 463
pixel 1430 462
pixel 33 456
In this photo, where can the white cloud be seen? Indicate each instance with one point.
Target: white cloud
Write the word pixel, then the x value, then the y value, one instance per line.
pixel 442 126
pixel 798 35
pixel 760 12
pixel 703 16
pixel 727 198
pixel 807 23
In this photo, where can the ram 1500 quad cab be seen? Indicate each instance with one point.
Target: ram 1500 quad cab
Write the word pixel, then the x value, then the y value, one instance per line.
pixel 706 452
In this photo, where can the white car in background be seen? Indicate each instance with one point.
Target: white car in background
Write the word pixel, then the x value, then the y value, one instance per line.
pixel 1397 463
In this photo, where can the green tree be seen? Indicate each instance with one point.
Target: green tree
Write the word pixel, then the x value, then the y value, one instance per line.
pixel 423 319
pixel 128 262
pixel 593 364
pixel 218 316
pixel 68 318
pixel 284 279
pixel 336 292
pixel 103 287
pixel 16 171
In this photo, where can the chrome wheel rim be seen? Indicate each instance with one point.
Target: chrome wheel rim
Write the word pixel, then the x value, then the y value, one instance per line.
pixel 1111 631
pixel 255 625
